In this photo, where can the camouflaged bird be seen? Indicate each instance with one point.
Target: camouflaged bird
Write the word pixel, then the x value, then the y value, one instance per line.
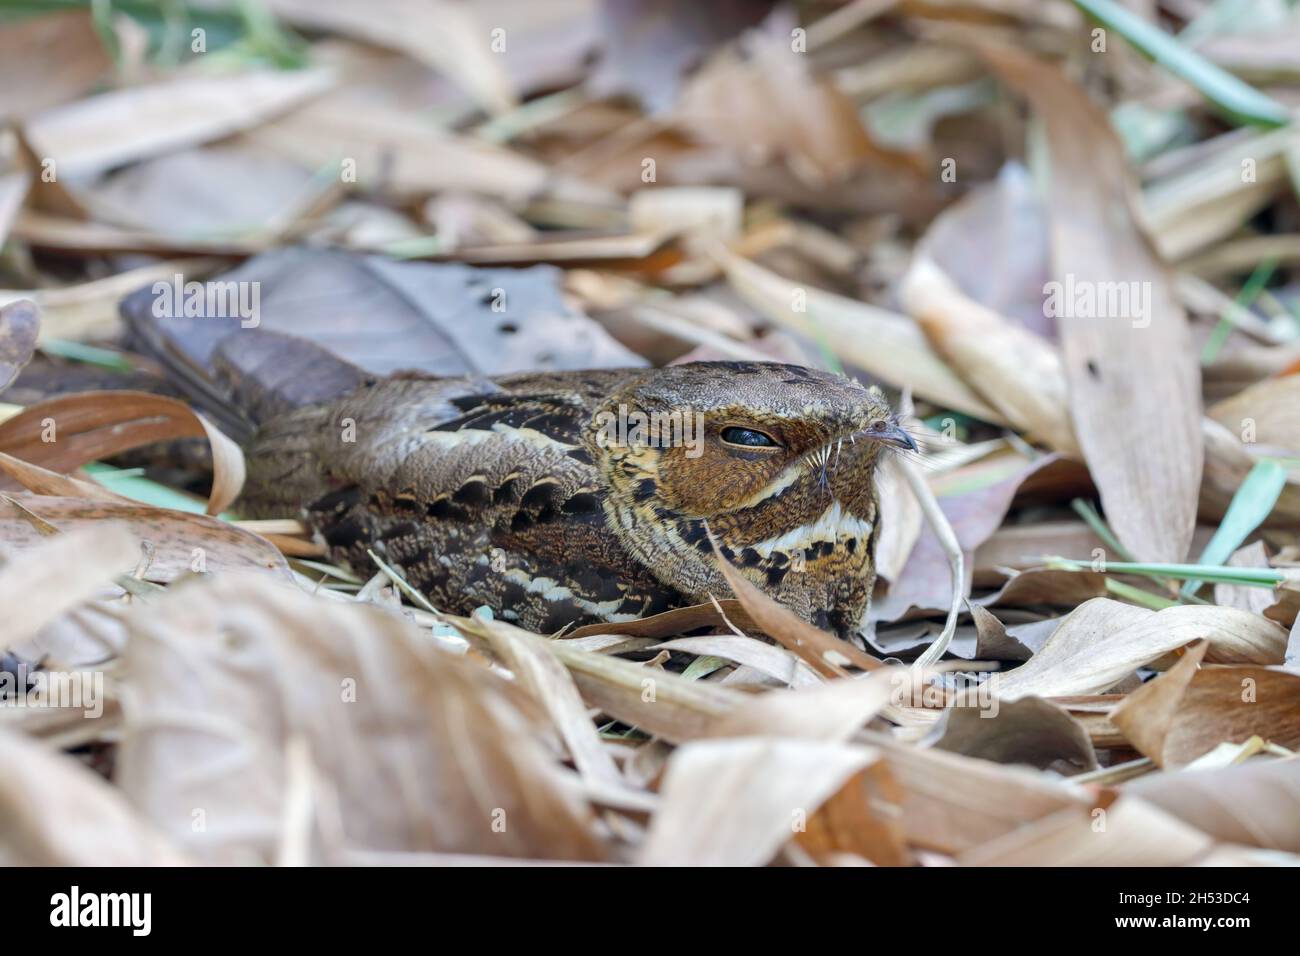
pixel 531 495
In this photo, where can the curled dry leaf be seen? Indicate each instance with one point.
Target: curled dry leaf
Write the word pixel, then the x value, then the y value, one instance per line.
pixel 1103 641
pixel 1028 730
pixel 20 325
pixel 64 433
pixel 1145 457
pixel 180 542
pixel 222 674
pixel 59 813
pixel 773 661
pixel 1189 710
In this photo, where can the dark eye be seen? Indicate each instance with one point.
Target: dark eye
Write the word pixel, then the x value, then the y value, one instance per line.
pixel 749 438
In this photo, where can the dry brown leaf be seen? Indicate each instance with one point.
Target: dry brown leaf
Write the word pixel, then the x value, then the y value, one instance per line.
pixel 898 535
pixel 448 37
pixel 951 803
pixel 926 580
pixel 100 132
pixel 776 662
pixel 1028 730
pixel 13 193
pixel 1129 832
pixel 677 621
pixel 64 433
pixel 1267 413
pixel 860 822
pixel 1145 456
pixel 832 711
pixel 737 802
pixel 1190 709
pixel 1242 597
pixel 530 658
pixel 770 101
pixel 223 676
pixel 57 574
pixel 1255 804
pixel 1014 370
pixel 88 310
pixel 1103 641
pixel 42 481
pixel 406 156
pixel 59 813
pixel 179 542
pixel 659 702
pixel 48 60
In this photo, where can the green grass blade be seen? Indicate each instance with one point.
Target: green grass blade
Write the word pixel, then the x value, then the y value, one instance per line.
pixel 1252 503
pixel 1236 98
pixel 1218 573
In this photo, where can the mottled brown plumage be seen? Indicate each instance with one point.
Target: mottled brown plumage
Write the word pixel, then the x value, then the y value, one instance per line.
pixel 538 496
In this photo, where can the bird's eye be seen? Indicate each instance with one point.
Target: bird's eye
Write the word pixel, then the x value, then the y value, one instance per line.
pixel 878 425
pixel 749 438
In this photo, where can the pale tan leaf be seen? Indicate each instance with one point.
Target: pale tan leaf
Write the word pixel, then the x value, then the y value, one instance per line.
pixel 531 660
pixel 1130 832
pixel 832 711
pixel 58 573
pixel 222 674
pixel 113 128
pixel 1028 730
pixel 1267 413
pixel 13 192
pixel 737 802
pixel 1145 456
pixel 449 37
pixel 42 481
pixel 1255 804
pixel 1014 370
pixel 773 661
pixel 951 803
pixel 59 813
pixel 48 60
pixel 1103 641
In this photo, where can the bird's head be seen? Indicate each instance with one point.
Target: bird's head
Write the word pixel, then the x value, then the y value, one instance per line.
pixel 776 462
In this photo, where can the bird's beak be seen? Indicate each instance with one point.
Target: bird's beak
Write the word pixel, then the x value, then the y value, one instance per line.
pixel 895 435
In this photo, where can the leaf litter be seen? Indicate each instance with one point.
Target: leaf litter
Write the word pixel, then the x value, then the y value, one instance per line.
pixel 1116 494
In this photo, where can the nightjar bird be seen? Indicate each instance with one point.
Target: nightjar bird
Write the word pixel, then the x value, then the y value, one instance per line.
pixel 581 497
